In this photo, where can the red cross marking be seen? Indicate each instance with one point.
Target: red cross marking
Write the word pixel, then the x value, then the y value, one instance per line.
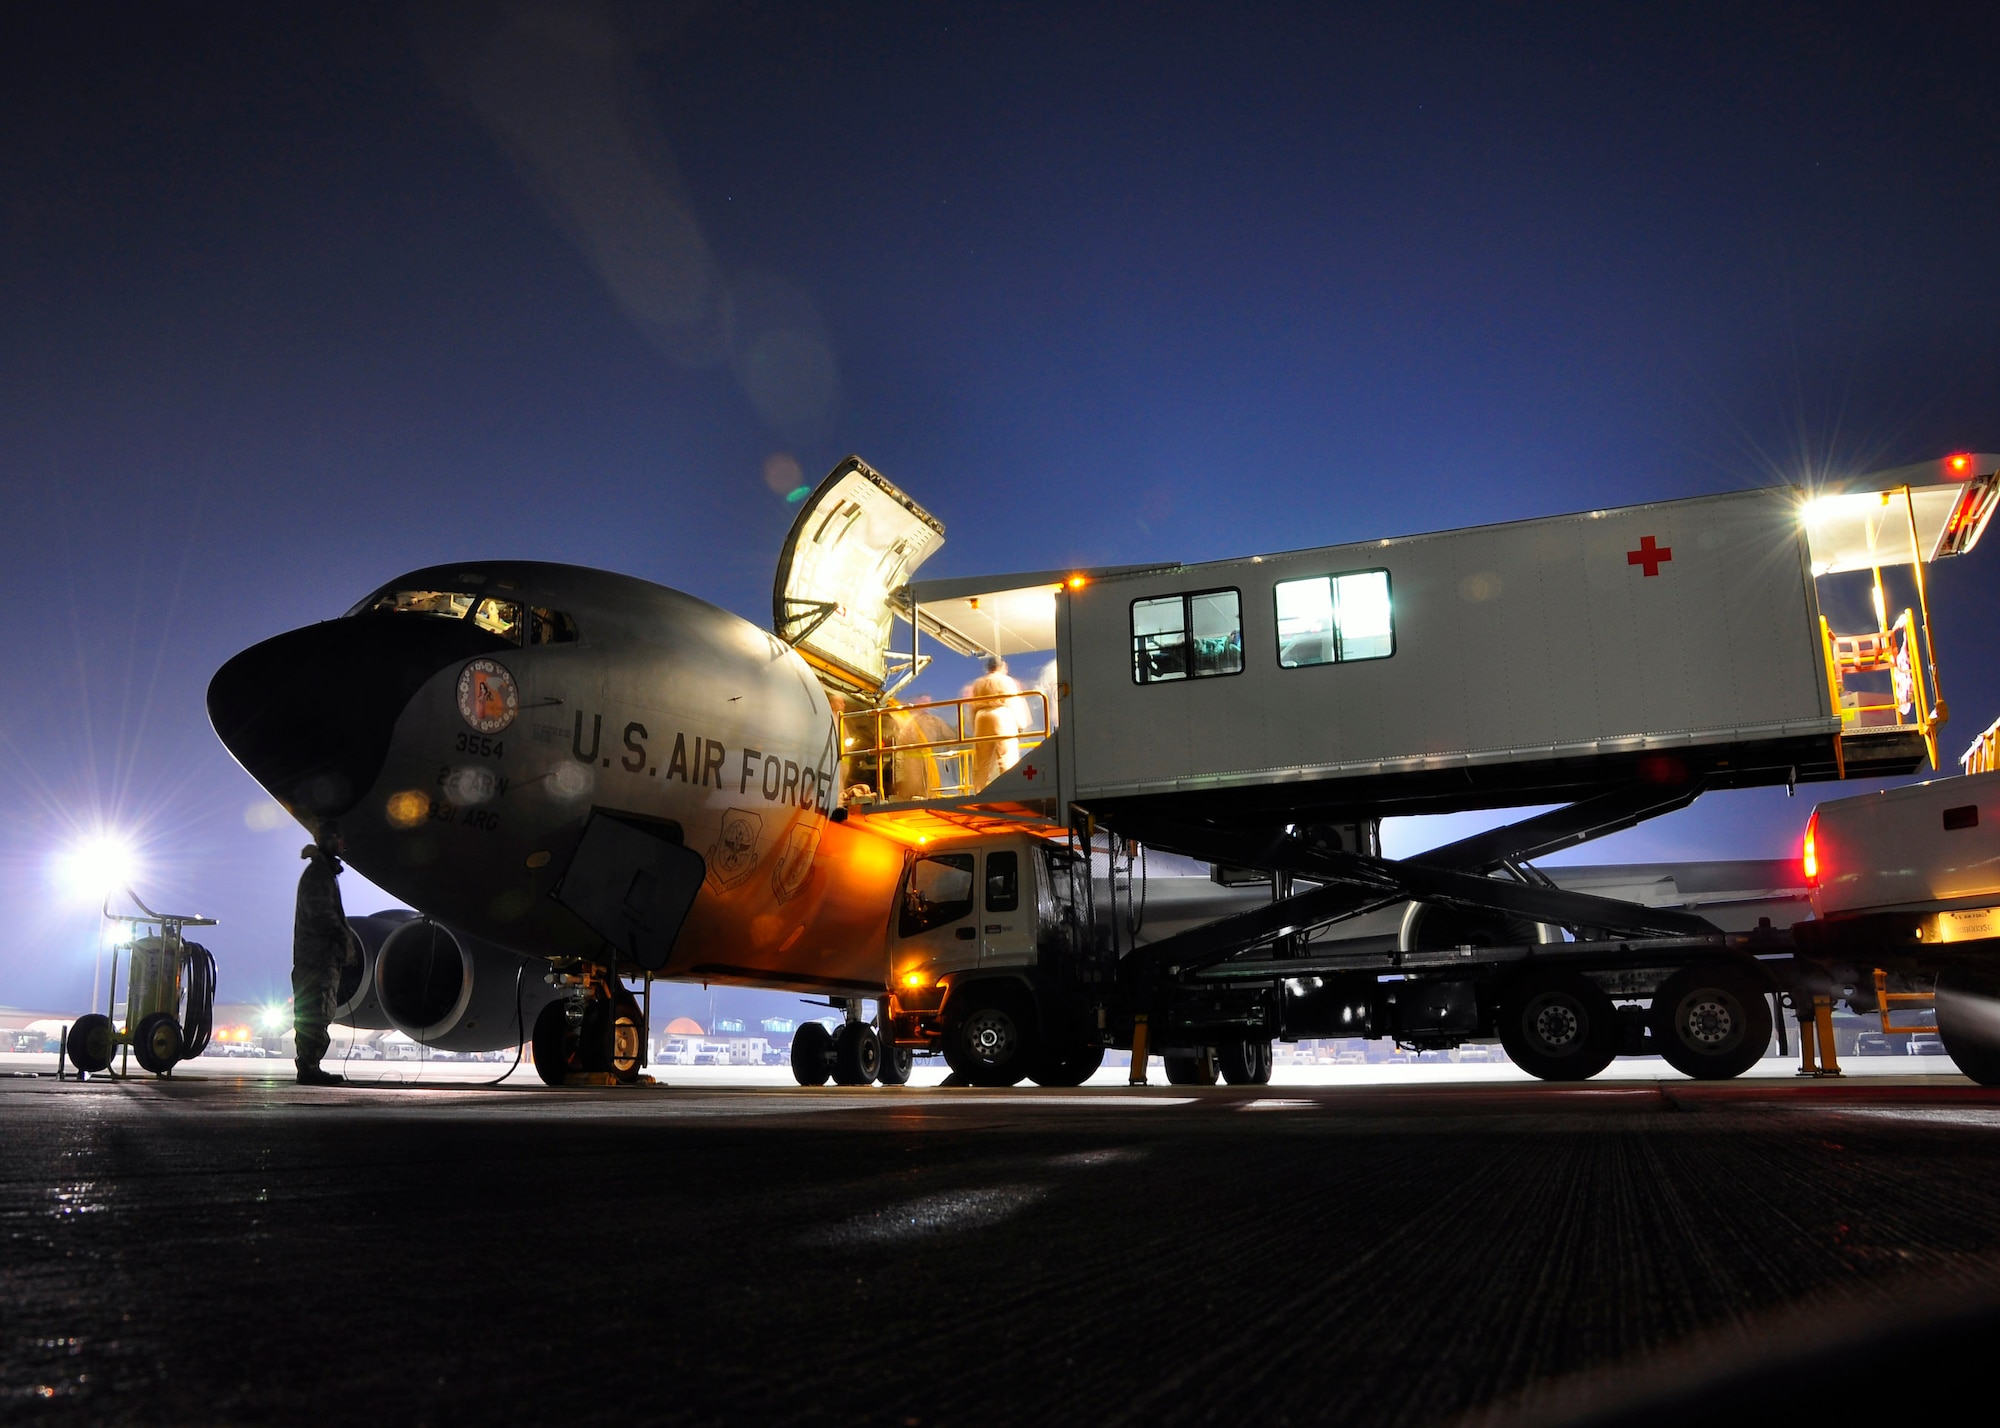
pixel 1028 772
pixel 1650 555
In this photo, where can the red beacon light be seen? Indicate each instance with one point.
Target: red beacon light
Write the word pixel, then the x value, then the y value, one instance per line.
pixel 1959 463
pixel 1809 854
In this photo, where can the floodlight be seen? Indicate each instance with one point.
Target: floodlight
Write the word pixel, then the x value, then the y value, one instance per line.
pixel 96 867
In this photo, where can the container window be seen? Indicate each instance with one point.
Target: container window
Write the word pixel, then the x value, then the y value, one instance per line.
pixel 1188 636
pixel 1335 619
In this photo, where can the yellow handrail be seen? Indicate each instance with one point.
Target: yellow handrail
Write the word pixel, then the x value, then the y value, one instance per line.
pixel 1833 697
pixel 1983 754
pixel 958 747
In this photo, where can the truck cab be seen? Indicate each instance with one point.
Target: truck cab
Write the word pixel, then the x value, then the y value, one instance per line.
pixel 1905 888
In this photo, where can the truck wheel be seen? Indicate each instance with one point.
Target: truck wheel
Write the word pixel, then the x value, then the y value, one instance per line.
pixel 857 1054
pixel 1074 1069
pixel 157 1043
pixel 93 1041
pixel 897 1063
pixel 990 1039
pixel 1710 1022
pixel 1968 1023
pixel 1190 1068
pixel 812 1054
pixel 551 1043
pixel 1245 1063
pixel 1558 1026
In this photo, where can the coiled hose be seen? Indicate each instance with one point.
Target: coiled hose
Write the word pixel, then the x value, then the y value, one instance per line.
pixel 199 1024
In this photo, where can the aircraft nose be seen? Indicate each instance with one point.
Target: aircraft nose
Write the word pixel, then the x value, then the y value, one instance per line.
pixel 310 713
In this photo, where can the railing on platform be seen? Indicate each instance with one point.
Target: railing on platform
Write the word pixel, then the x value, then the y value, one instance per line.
pixel 946 748
pixel 1905 704
pixel 1984 754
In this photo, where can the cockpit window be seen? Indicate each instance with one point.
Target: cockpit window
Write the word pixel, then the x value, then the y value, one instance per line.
pixel 511 620
pixel 499 617
pixel 450 604
pixel 551 627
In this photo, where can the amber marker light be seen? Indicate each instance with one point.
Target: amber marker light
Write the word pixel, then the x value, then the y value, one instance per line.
pixel 1809 855
pixel 1076 582
pixel 915 979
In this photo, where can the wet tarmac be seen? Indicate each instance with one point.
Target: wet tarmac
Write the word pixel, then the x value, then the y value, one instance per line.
pixel 224 1250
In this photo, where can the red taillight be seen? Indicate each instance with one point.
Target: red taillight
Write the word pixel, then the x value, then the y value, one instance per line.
pixel 1810 854
pixel 1959 464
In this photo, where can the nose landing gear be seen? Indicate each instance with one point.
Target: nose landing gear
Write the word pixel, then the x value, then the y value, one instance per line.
pixel 595 1030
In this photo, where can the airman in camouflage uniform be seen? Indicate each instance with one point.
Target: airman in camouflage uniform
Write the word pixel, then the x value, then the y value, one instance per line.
pixel 319 946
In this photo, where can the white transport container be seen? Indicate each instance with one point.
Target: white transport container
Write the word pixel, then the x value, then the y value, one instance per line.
pixel 1460 668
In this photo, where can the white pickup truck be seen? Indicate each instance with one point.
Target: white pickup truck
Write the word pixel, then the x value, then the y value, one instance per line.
pixel 1908 881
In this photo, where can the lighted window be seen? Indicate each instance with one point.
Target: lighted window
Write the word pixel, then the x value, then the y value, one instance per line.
pixel 498 617
pixel 1187 636
pixel 447 604
pixel 510 619
pixel 1333 619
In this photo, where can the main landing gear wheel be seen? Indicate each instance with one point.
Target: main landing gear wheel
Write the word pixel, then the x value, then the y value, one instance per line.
pixel 1968 1022
pixel 553 1043
pixel 990 1039
pixel 812 1054
pixel 1072 1068
pixel 1558 1026
pixel 92 1042
pixel 1190 1068
pixel 157 1043
pixel 857 1054
pixel 1711 1022
pixel 1245 1063
pixel 897 1063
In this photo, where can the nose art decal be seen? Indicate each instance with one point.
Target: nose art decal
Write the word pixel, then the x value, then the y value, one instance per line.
pixel 487 697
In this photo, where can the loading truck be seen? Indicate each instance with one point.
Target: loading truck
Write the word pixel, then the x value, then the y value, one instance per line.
pixel 1263 715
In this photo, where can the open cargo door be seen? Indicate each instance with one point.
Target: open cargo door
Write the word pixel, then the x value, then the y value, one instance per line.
pixel 856 541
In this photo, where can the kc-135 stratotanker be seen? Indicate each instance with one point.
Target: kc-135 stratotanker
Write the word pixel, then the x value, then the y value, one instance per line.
pixel 580 779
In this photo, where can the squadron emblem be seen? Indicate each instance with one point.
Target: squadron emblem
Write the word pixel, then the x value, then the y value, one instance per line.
pixel 795 862
pixel 487 697
pixel 735 852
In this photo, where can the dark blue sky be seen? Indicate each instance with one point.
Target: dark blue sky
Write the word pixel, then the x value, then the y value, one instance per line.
pixel 291 301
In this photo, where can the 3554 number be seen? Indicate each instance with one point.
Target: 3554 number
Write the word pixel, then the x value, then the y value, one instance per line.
pixel 485 745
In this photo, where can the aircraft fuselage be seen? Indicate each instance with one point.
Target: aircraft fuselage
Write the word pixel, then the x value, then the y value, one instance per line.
pixel 461 751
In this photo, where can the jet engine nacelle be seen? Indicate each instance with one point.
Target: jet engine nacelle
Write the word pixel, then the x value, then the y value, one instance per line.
pixel 449 990
pixel 354 1001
